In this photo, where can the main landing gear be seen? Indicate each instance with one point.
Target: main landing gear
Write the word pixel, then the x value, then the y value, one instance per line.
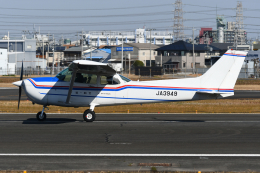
pixel 89 115
pixel 41 116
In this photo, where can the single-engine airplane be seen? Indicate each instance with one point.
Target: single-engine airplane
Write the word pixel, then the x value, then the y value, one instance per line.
pixel 90 84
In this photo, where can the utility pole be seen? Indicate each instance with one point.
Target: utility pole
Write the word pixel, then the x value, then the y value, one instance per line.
pixel 82 45
pixel 48 54
pixel 53 55
pixel 129 57
pixel 48 50
pixel 193 63
pixel 8 42
pixel 122 60
pixel 42 53
pixel 150 45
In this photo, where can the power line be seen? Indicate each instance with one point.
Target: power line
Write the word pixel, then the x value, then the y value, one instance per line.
pixel 119 8
pixel 96 16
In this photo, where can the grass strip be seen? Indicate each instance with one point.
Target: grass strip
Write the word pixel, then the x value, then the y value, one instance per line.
pixel 203 106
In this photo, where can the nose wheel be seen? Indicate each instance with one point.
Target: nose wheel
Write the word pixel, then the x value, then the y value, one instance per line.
pixel 89 116
pixel 41 116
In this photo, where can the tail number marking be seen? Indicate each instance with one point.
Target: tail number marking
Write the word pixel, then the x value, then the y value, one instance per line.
pixel 166 93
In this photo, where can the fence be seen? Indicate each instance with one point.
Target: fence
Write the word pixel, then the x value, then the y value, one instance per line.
pixel 244 73
pixel 32 71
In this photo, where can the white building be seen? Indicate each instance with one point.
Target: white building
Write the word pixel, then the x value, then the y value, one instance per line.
pixel 99 38
pixel 5 67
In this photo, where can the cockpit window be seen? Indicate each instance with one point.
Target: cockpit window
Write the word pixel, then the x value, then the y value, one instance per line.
pixel 86 78
pixel 108 80
pixel 125 78
pixel 64 75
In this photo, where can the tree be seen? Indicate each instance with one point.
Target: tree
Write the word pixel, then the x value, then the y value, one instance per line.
pixel 138 63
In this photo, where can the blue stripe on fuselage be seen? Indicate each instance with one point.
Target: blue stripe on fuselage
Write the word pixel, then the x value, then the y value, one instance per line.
pixel 128 87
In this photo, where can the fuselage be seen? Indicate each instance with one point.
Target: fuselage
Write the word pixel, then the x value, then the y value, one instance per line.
pixel 52 91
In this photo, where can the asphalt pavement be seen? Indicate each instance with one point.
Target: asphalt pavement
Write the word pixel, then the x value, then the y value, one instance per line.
pixel 125 142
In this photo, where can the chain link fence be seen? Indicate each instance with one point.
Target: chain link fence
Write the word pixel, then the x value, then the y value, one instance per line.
pixel 32 71
pixel 28 72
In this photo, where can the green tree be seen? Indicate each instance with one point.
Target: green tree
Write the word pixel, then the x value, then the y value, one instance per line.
pixel 138 63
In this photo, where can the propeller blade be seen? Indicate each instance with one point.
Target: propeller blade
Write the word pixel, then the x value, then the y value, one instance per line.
pixel 21 76
pixel 20 91
pixel 20 87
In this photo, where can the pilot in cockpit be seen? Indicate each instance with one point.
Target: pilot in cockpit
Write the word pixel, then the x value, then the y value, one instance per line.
pixel 79 78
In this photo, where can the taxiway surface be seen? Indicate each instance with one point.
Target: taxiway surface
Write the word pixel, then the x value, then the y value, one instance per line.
pixel 188 142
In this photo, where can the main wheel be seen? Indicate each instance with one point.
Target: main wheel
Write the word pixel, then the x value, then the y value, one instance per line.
pixel 41 118
pixel 89 116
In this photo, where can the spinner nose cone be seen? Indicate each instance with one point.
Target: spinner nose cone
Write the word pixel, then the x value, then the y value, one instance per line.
pixel 18 83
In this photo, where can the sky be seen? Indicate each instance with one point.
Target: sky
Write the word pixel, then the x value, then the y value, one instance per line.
pixel 66 18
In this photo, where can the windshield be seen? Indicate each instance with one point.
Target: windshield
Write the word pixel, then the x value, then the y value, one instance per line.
pixel 125 78
pixel 64 75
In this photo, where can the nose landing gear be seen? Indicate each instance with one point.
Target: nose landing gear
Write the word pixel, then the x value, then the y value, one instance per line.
pixel 41 116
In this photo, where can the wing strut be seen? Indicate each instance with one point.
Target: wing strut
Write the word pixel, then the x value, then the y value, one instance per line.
pixel 75 69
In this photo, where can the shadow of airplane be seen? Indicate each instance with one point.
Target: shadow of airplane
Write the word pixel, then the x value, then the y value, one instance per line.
pixel 49 121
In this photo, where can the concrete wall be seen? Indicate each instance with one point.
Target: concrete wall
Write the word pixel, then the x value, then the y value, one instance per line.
pixel 3 61
pixel 30 45
pixel 29 60
pixel 145 55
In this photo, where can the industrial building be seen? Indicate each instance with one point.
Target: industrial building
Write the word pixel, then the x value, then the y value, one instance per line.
pixel 226 32
pixel 18 51
pixel 99 38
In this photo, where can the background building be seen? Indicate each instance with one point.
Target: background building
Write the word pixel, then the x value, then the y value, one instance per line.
pixel 227 32
pixel 99 38
pixel 23 50
pixel 179 55
pixel 137 51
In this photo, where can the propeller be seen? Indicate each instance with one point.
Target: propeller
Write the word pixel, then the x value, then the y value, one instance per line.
pixel 20 87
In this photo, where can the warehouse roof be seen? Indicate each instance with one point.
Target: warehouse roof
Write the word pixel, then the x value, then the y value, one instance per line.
pixel 222 46
pixel 185 46
pixel 141 45
pixel 76 49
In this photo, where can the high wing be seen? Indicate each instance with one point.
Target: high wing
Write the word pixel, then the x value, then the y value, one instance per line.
pixel 89 67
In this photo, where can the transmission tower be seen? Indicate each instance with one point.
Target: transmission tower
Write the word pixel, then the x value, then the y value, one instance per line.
pixel 240 24
pixel 178 21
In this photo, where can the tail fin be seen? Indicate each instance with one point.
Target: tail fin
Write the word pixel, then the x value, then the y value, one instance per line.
pixel 224 73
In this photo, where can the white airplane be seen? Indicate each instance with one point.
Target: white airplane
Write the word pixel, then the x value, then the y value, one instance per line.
pixel 90 84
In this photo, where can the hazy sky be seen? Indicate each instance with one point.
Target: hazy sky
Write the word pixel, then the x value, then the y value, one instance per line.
pixel 68 17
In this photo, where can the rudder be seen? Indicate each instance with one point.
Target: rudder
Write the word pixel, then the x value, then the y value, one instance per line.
pixel 224 73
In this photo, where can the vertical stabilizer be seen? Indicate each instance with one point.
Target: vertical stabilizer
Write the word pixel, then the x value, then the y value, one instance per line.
pixel 224 73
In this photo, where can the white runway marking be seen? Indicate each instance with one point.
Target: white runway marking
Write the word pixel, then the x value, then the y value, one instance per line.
pixel 133 155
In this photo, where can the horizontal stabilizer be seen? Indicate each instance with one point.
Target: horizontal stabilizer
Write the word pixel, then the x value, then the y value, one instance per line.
pixel 213 92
